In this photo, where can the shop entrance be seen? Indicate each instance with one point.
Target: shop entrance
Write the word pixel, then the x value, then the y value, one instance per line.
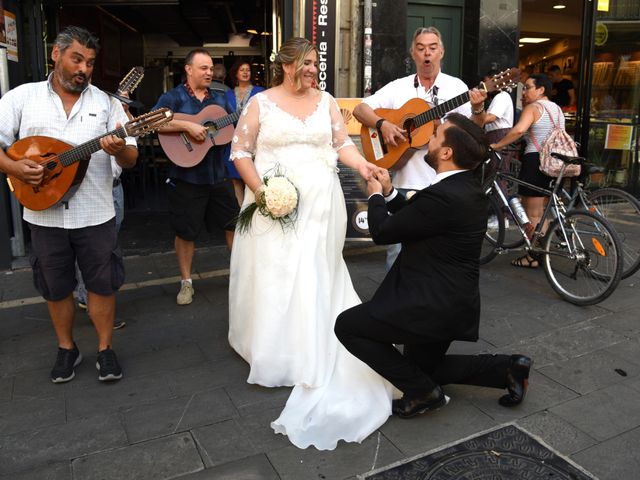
pixel 157 36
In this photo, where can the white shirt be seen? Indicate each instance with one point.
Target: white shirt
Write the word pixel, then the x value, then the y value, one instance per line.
pixel 36 109
pixel 443 175
pixel 502 107
pixel 416 174
pixel 116 170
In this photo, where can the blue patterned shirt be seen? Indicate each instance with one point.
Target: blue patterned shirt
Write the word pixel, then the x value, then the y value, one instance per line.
pixel 212 168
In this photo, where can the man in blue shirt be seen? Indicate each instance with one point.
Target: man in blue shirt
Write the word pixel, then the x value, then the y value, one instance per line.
pixel 198 195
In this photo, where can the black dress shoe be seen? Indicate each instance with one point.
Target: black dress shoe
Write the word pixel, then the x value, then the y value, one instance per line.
pixel 517 380
pixel 410 406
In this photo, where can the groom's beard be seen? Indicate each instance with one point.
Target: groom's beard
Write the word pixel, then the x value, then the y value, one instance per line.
pixel 432 158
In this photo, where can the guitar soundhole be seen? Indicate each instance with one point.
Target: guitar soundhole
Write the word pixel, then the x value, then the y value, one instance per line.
pixel 51 165
pixel 410 127
pixel 210 126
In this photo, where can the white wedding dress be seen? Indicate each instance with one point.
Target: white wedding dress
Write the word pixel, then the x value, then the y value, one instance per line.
pixel 287 286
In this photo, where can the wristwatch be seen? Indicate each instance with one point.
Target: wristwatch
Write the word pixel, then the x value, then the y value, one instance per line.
pixel 479 111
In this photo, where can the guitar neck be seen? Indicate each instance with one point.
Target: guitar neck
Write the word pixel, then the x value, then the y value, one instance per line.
pixel 441 110
pixel 85 150
pixel 226 121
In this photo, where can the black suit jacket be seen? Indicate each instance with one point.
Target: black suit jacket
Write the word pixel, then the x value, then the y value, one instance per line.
pixel 432 288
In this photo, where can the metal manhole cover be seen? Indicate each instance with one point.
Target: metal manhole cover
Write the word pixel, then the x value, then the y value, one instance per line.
pixel 505 453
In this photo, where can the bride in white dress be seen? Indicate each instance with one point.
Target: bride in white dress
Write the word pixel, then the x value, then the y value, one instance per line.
pixel 287 286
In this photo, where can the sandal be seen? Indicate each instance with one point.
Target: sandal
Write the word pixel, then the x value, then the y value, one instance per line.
pixel 525 261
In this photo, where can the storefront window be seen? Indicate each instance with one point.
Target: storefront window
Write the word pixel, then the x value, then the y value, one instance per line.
pixel 615 96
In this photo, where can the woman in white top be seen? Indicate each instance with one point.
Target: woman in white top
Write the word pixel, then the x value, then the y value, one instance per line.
pixel 499 117
pixel 536 125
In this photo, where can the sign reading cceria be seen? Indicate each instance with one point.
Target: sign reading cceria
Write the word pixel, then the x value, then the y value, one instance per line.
pixel 320 28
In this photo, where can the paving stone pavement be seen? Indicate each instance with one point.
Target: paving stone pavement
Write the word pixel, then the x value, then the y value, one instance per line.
pixel 184 410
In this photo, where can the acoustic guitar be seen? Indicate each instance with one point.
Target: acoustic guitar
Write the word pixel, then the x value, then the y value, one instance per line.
pixel 416 118
pixel 186 152
pixel 65 165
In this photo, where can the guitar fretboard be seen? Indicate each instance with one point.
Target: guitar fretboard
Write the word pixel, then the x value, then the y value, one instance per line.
pixel 441 110
pixel 85 150
pixel 226 121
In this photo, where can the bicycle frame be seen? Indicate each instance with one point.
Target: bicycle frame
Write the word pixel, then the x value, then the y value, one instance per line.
pixel 555 207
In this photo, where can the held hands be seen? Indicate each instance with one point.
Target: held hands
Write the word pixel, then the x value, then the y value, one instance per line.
pixel 373 186
pixel 111 144
pixel 385 180
pixel 367 169
pixel 380 182
pixel 392 134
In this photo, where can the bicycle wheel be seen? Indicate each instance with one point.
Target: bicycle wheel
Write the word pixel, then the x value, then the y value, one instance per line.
pixel 495 232
pixel 582 258
pixel 622 211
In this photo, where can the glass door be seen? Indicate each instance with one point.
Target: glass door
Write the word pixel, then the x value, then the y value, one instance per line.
pixel 615 94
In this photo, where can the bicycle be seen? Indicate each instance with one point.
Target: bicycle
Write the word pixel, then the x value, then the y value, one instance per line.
pixel 619 208
pixel 580 252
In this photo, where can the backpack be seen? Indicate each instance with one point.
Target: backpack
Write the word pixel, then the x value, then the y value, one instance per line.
pixel 558 141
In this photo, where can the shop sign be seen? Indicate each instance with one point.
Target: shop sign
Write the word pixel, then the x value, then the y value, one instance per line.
pixel 9 34
pixel 320 28
pixel 602 34
pixel 618 137
pixel 356 202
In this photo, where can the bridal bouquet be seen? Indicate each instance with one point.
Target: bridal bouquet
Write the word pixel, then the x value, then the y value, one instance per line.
pixel 276 199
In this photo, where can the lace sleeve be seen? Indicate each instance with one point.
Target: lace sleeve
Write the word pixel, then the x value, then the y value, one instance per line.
pixel 339 136
pixel 243 144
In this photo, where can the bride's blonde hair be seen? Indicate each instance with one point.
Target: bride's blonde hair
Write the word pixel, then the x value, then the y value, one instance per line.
pixel 292 52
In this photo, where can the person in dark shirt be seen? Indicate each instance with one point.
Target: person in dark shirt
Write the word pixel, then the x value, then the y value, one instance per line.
pixel 219 75
pixel 198 195
pixel 563 92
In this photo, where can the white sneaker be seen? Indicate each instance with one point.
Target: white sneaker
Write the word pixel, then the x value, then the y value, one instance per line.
pixel 185 295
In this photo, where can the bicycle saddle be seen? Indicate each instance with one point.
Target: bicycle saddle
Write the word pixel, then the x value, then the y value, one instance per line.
pixel 569 159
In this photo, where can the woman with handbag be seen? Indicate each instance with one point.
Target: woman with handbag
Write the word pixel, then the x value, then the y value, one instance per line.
pixel 536 123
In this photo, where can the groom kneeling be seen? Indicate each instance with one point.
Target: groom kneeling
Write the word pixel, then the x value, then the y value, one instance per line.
pixel 430 297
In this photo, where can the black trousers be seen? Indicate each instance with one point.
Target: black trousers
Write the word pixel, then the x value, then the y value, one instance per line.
pixel 423 363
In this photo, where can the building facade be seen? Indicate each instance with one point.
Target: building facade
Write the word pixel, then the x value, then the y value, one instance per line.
pixel 368 46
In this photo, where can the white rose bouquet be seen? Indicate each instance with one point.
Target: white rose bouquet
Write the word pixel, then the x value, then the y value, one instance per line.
pixel 277 199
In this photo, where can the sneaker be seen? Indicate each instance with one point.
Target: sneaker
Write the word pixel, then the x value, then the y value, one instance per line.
pixel 66 362
pixel 118 324
pixel 108 366
pixel 185 295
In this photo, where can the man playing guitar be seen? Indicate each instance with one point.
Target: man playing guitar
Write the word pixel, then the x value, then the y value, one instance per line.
pixel 430 84
pixel 67 107
pixel 201 194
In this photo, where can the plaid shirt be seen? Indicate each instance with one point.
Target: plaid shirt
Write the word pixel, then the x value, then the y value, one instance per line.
pixel 36 109
pixel 212 168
